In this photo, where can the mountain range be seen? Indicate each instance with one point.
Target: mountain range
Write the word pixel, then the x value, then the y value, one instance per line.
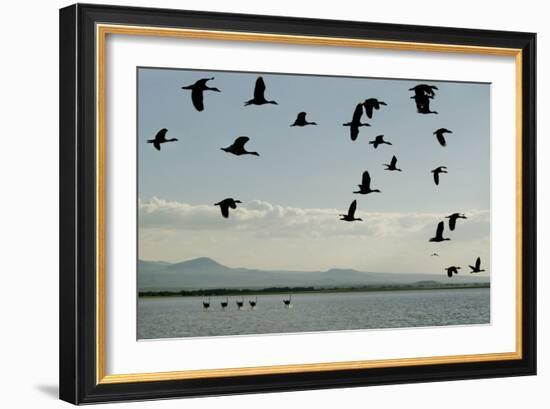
pixel 203 273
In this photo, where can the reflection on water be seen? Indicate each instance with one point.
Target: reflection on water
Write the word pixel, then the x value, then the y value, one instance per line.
pixel 170 317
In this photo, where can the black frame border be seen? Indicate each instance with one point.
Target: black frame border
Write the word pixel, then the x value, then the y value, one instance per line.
pixel 78 210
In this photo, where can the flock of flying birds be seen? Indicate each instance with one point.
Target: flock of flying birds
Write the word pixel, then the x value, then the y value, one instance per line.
pixel 423 94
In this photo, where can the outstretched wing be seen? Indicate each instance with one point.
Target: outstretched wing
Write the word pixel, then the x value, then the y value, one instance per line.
pixel 156 144
pixel 441 138
pixel 352 208
pixel 452 223
pixel 368 108
pixel 301 117
pixel 259 89
pixel 224 208
pixel 366 180
pixel 353 132
pixel 357 113
pixel 478 263
pixel 436 177
pixel 240 142
pixel 439 231
pixel 393 161
pixel 196 97
pixel 231 203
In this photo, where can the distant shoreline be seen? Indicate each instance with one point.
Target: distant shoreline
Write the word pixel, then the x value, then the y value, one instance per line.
pixel 214 292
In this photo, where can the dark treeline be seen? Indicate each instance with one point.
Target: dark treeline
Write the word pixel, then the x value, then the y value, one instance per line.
pixel 421 285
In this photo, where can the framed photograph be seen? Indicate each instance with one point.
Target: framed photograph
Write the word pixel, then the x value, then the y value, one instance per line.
pixel 257 203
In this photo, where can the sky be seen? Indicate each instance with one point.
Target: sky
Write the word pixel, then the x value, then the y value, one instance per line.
pixel 304 177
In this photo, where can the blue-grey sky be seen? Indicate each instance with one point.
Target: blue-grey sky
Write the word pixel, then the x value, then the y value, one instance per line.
pixel 304 177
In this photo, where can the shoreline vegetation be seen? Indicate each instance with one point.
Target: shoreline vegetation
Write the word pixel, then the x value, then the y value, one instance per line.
pixel 212 292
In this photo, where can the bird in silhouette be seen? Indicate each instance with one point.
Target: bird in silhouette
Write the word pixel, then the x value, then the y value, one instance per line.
pixel 253 302
pixel 364 187
pixel 287 301
pixel 424 89
pixel 350 217
pixel 240 303
pixel 370 104
pixel 452 219
pixel 439 134
pixel 434 255
pixel 224 303
pixel 197 91
pixel 259 98
pixel 452 270
pixel 439 233
pixel 437 171
pixel 225 204
pixel 302 121
pixel 356 122
pixel 237 148
pixel 379 140
pixel 206 304
pixel 160 138
pixel 392 164
pixel 477 267
pixel 423 104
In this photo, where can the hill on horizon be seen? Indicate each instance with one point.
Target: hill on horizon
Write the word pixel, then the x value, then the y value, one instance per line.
pixel 204 273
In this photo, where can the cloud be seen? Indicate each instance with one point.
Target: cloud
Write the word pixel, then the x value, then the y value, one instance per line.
pixel 266 219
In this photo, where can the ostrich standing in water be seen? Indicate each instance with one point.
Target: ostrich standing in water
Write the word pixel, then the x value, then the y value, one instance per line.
pixel 206 304
pixel 240 303
pixel 253 303
pixel 288 301
pixel 224 303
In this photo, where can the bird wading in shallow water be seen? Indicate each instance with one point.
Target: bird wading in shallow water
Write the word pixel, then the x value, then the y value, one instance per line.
pixel 226 204
pixel 259 98
pixel 160 138
pixel 237 148
pixel 197 92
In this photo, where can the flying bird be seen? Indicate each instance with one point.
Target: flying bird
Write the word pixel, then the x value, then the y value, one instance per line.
pixel 439 134
pixel 197 91
pixel 379 140
pixel 160 138
pixel 452 270
pixel 302 121
pixel 259 98
pixel 225 204
pixel 370 104
pixel 452 219
pixel 423 104
pixel 434 255
pixel 477 267
pixel 437 171
pixel 350 217
pixel 356 122
pixel 237 148
pixel 364 187
pixel 439 233
pixel 424 89
pixel 392 164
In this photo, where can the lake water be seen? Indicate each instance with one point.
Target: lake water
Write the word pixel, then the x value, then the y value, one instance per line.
pixel 171 317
